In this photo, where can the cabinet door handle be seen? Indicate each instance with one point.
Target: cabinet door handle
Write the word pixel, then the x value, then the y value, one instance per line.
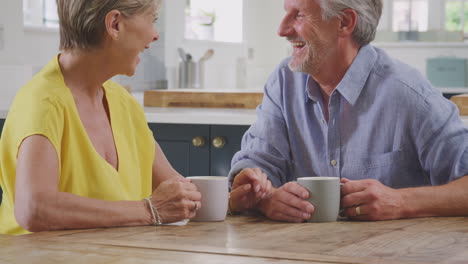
pixel 198 142
pixel 219 142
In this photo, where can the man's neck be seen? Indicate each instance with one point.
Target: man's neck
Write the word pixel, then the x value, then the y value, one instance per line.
pixel 334 69
pixel 332 72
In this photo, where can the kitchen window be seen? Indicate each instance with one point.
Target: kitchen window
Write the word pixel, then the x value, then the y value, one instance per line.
pixel 456 16
pixel 425 20
pixel 40 13
pixel 410 15
pixel 214 20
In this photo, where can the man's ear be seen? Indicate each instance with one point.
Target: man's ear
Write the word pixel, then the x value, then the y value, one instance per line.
pixel 348 21
pixel 113 20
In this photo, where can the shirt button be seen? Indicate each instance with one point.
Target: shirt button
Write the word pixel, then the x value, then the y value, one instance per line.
pixel 333 163
pixel 324 122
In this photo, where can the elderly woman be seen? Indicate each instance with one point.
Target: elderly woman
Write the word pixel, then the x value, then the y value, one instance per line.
pixel 76 150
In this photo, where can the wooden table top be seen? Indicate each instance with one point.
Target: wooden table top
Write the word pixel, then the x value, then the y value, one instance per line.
pixel 248 239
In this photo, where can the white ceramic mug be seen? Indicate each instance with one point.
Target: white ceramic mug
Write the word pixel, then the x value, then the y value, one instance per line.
pixel 324 195
pixel 215 195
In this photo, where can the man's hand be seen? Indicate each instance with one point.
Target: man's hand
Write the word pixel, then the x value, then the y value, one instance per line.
pixel 248 188
pixel 287 204
pixel 370 200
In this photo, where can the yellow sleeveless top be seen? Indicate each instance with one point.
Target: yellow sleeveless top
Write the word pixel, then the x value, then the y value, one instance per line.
pixel 45 106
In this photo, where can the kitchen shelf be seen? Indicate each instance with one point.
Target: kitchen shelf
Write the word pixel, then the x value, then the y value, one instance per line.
pixel 454 90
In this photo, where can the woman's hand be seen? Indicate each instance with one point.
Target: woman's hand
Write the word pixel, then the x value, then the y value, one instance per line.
pixel 249 187
pixel 176 199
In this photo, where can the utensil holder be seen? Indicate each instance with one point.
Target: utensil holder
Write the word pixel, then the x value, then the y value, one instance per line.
pixel 191 74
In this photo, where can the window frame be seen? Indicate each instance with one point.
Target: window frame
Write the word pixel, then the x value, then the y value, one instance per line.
pixel 437 21
pixel 192 29
pixel 35 15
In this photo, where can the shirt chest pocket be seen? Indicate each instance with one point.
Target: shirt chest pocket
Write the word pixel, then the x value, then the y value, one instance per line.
pixel 375 166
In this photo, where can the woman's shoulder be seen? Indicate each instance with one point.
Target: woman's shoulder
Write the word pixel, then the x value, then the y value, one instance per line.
pixel 119 93
pixel 44 89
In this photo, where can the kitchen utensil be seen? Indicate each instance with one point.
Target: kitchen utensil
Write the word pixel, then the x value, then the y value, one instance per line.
pixel 182 54
pixel 208 54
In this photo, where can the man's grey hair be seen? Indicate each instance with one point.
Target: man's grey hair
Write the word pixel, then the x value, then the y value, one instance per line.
pixel 369 12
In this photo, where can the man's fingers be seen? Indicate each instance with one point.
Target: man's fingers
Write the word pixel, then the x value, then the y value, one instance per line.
pixel 256 178
pixel 269 190
pixel 353 199
pixel 279 216
pixel 360 213
pixel 257 171
pixel 292 200
pixel 240 191
pixel 353 186
pixel 262 185
pixel 296 189
pixel 247 176
pixel 294 212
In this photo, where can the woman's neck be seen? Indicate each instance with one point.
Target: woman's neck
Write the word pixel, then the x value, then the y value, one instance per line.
pixel 84 73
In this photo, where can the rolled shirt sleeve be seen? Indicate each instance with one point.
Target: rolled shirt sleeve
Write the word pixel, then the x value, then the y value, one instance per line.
pixel 265 144
pixel 441 139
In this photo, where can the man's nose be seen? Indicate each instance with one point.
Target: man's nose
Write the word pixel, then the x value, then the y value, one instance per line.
pixel 285 28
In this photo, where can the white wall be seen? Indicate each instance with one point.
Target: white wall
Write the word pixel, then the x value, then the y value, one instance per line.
pixel 265 48
pixel 22 46
pixel 415 54
pixel 24 52
pixel 220 70
pixel 233 65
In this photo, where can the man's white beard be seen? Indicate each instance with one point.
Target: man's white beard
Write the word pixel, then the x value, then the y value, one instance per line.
pixel 306 65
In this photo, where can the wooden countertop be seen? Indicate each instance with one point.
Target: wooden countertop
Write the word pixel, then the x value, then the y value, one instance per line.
pixel 250 239
pixel 206 116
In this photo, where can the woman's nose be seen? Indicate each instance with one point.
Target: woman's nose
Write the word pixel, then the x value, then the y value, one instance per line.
pixel 155 36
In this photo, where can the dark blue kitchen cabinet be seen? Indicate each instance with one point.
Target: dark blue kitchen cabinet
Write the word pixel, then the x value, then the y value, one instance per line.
pixel 225 142
pixel 2 121
pixel 195 150
pixel 177 143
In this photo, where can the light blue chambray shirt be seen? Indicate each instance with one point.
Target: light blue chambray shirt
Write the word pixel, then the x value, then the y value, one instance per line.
pixel 386 122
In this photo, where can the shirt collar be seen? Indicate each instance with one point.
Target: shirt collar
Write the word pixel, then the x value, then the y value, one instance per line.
pixel 312 90
pixel 350 87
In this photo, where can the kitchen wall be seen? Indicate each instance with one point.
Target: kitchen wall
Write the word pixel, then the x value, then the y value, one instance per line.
pixel 234 66
pixel 22 52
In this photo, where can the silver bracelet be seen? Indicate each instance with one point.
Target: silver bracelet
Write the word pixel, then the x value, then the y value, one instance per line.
pixel 154 212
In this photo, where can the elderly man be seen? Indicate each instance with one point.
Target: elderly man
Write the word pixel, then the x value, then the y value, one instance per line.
pixel 341 107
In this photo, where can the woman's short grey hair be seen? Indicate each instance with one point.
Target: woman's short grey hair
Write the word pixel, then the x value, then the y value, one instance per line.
pixel 369 12
pixel 82 22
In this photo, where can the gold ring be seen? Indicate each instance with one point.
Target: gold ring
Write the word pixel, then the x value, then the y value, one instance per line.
pixel 358 210
pixel 196 206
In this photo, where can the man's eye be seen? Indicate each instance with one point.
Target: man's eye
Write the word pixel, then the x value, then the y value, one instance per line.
pixel 299 15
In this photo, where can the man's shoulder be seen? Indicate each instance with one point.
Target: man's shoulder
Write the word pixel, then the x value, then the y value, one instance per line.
pixel 401 77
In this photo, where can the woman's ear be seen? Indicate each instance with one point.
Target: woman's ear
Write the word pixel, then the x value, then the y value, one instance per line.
pixel 348 21
pixel 113 20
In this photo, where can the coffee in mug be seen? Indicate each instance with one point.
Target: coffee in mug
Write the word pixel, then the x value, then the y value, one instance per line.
pixel 324 196
pixel 215 195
